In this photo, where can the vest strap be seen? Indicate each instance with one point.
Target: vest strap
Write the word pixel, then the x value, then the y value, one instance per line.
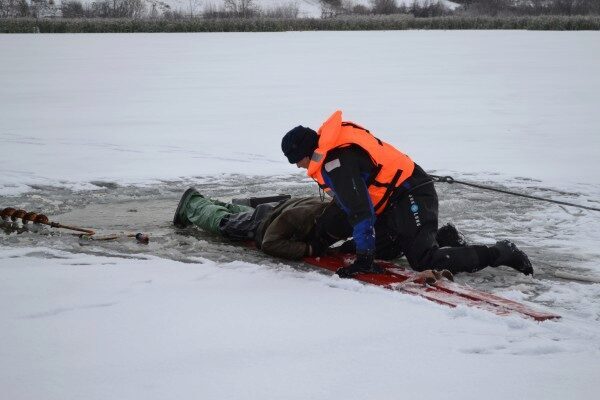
pixel 352 124
pixel 376 171
pixel 390 189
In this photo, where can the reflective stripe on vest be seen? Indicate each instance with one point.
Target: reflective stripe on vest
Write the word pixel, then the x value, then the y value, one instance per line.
pixel 392 166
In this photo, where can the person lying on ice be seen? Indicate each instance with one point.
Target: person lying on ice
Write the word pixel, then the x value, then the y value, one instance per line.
pixel 385 193
pixel 292 229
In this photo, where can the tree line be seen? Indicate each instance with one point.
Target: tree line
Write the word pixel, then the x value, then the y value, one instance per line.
pixel 156 9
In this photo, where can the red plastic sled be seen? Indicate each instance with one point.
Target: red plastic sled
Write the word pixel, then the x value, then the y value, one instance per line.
pixel 442 291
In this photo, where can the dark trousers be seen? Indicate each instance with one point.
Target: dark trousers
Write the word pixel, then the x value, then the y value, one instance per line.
pixel 409 224
pixel 243 225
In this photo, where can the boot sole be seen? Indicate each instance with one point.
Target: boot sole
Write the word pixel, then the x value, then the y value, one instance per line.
pixel 177 220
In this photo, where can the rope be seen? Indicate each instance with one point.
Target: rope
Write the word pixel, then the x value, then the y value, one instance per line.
pixel 449 179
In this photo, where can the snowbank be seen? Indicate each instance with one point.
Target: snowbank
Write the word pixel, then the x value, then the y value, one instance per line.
pixel 74 326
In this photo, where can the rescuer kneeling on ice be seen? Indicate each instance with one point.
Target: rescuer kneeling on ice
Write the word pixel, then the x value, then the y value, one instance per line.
pixel 389 200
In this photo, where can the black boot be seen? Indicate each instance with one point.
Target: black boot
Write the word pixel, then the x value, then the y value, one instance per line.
pixel 449 236
pixel 506 253
pixel 179 220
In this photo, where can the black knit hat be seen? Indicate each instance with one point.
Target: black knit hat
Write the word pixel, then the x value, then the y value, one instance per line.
pixel 298 143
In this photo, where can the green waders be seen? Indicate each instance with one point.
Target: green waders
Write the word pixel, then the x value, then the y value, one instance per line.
pixel 207 213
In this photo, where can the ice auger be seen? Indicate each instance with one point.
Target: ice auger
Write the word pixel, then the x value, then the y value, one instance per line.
pixel 12 215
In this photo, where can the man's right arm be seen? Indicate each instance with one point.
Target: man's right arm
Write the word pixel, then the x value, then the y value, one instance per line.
pixel 345 171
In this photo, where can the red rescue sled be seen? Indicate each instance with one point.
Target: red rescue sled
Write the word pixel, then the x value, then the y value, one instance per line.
pixel 442 291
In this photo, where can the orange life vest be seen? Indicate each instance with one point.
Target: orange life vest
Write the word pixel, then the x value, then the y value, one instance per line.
pixel 392 166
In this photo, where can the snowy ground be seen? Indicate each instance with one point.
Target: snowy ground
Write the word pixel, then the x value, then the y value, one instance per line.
pixel 108 130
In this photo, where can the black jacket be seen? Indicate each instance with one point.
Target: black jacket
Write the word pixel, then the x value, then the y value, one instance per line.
pixel 348 180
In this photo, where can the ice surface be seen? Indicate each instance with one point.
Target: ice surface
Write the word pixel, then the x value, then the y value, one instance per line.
pixel 141 107
pixel 108 130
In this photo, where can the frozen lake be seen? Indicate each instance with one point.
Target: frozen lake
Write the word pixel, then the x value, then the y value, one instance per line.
pixel 123 107
pixel 108 130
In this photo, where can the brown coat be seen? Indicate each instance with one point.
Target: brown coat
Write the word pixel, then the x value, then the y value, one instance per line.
pixel 287 230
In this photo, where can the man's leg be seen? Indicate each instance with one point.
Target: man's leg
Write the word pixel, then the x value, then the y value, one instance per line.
pixel 233 208
pixel 449 236
pixel 416 219
pixel 387 242
pixel 206 213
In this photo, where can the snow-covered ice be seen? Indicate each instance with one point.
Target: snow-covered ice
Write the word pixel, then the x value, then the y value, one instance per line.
pixel 122 107
pixel 108 130
pixel 151 328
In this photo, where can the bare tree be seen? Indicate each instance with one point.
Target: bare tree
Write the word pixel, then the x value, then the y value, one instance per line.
pixel 118 9
pixel 242 8
pixel 384 6
pixel 193 7
pixel 13 8
pixel 133 8
pixel 43 8
pixel 331 8
pixel 289 11
pixel 72 9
